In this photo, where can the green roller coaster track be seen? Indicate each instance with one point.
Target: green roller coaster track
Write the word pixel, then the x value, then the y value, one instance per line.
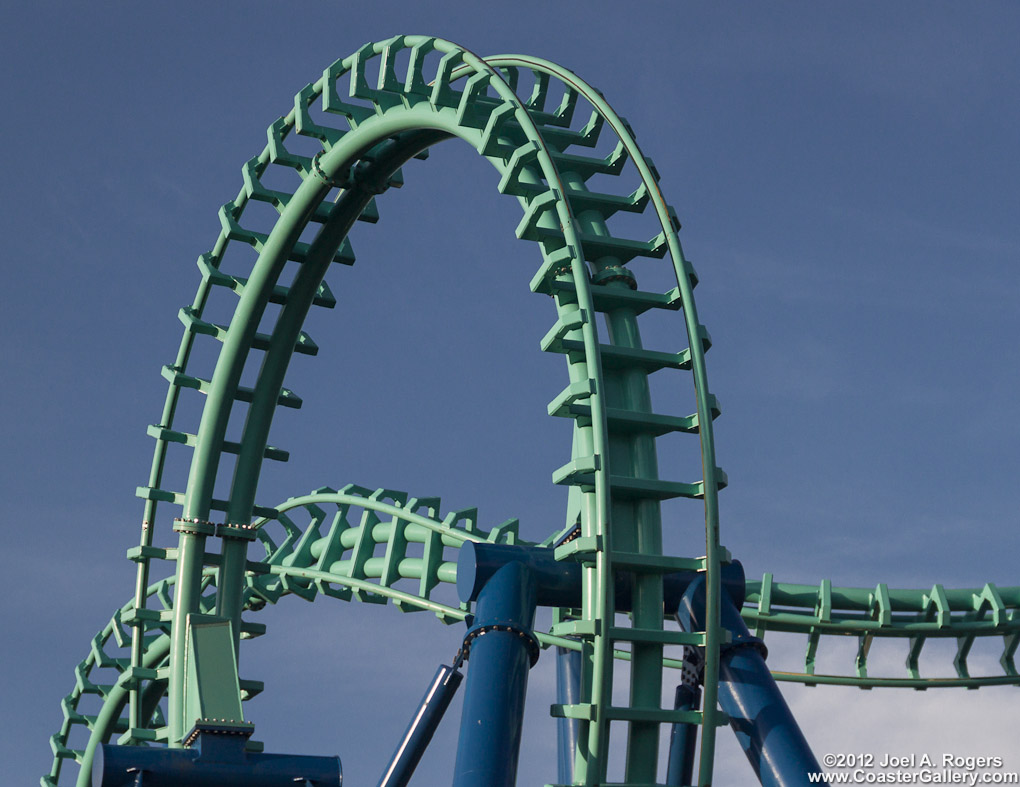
pixel 551 138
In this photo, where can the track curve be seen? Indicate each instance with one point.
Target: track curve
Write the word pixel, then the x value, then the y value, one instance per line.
pixel 574 168
pixel 381 126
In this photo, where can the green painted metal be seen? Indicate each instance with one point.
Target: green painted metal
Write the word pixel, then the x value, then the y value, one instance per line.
pixel 213 690
pixel 381 545
pixel 307 550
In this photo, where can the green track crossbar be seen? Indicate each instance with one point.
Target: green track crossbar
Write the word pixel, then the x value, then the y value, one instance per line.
pixel 308 550
pixel 575 170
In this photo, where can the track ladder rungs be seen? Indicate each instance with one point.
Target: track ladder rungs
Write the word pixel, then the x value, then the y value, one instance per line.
pixel 261 341
pixel 606 299
pixel 582 389
pixel 191 440
pixel 286 397
pixel 656 636
pixel 608 204
pixel 586 166
pixel 598 246
pixel 614 356
pixel 279 295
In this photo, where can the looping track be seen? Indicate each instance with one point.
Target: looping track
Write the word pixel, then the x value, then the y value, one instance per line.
pixel 575 170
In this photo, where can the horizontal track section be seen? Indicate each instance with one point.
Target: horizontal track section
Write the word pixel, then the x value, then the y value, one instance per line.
pixel 823 611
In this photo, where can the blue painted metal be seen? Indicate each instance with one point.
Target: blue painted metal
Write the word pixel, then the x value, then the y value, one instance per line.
pixel 217 759
pixel 748 694
pixel 683 739
pixel 422 727
pixel 558 582
pixel 555 581
pixel 568 692
pixel 501 650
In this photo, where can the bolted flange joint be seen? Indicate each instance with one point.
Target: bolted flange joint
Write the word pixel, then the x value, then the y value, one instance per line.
pixel 240 532
pixel 615 273
pixel 529 639
pixel 194 526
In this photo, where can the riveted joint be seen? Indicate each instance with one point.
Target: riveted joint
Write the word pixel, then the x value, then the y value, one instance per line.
pixel 615 273
pixel 740 640
pixel 529 639
pixel 194 526
pixel 219 727
pixel 322 177
pixel 240 532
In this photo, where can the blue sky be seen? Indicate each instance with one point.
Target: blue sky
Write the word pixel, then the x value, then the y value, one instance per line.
pixel 847 177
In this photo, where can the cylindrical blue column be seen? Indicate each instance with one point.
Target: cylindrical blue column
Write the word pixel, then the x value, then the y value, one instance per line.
pixel 765 728
pixel 557 582
pixel 568 692
pixel 683 738
pixel 501 651
pixel 422 727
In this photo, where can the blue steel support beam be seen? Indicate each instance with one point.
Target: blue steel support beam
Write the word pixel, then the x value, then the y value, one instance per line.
pixel 760 717
pixel 422 727
pixel 568 692
pixel 501 650
pixel 216 759
pixel 683 739
pixel 558 582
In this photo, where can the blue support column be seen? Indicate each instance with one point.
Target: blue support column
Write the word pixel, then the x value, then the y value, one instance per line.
pixel 683 739
pixel 765 728
pixel 422 727
pixel 568 692
pixel 501 650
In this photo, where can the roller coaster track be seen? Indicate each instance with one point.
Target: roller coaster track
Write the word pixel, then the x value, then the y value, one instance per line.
pixel 574 168
pixel 398 551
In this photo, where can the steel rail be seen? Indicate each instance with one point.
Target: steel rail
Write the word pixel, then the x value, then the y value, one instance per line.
pixel 452 536
pixel 683 273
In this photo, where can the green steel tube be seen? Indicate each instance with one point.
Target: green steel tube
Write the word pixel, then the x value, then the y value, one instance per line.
pixel 213 425
pixel 339 498
pixel 151 506
pixel 901 683
pixel 799 623
pixel 598 582
pixel 226 377
pixel 638 528
pixel 277 359
pixel 113 706
pixel 637 525
pixel 187 592
pixel 596 509
pixel 905 600
pixel 596 590
pixel 260 413
pixel 232 356
pixel 683 272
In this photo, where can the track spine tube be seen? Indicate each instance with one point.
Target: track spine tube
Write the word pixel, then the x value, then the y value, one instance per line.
pixel 213 425
pixel 277 359
pixel 413 107
pixel 637 524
